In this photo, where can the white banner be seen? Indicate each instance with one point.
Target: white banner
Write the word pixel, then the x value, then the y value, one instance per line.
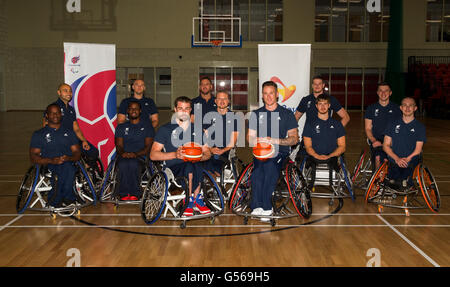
pixel 288 65
pixel 91 71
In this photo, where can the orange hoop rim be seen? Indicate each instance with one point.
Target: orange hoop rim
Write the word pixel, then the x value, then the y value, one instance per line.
pixel 216 43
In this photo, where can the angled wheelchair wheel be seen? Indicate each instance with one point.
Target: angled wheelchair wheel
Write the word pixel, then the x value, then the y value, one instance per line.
pixel 84 188
pixel 376 181
pixel 358 166
pixel 154 198
pixel 26 189
pixel 346 176
pixel 299 193
pixel 109 184
pixel 212 194
pixel 429 188
pixel 241 195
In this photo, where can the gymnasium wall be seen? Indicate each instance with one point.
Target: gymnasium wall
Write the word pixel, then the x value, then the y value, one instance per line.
pixel 156 33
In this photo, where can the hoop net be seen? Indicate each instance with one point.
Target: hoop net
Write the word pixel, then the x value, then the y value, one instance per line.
pixel 216 46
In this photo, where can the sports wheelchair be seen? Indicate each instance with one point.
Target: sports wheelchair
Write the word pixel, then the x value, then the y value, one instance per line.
pixel 363 170
pixel 386 192
pixel 290 198
pixel 165 197
pixel 95 169
pixel 332 173
pixel 229 174
pixel 36 184
pixel 109 190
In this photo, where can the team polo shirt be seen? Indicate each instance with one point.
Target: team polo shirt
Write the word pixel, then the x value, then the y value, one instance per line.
pixel 381 117
pixel 148 107
pixel 68 114
pixel 274 124
pixel 173 136
pixel 405 136
pixel 134 135
pixel 220 129
pixel 308 105
pixel 324 134
pixel 53 142
pixel 205 106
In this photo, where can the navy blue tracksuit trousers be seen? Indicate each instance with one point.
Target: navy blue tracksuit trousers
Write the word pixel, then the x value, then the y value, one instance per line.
pixel 264 181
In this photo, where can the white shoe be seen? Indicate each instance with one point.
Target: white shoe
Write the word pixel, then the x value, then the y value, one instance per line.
pixel 257 211
pixel 266 213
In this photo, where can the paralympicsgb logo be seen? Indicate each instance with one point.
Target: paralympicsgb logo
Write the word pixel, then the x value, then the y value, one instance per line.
pixel 94 99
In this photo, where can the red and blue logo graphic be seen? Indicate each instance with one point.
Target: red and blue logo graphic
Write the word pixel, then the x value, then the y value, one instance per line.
pixel 75 59
pixel 95 103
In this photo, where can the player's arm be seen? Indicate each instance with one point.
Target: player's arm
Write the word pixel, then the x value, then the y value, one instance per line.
pixel 157 154
pixel 155 120
pixel 298 115
pixel 309 149
pixel 206 153
pixel 80 136
pixel 146 150
pixel 387 147
pixel 368 129
pixel 345 117
pixel 121 118
pixel 416 152
pixel 251 137
pixel 340 147
pixel 120 149
pixel 76 153
pixel 36 158
pixel 291 139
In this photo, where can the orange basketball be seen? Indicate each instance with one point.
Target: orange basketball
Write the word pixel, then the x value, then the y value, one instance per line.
pixel 192 152
pixel 263 150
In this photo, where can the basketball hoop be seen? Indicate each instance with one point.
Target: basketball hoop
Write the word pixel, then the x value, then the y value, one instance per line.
pixel 216 46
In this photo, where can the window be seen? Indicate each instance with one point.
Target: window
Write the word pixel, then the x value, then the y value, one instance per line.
pixel 354 88
pixel 158 84
pixel 438 21
pixel 231 79
pixel 261 20
pixel 349 21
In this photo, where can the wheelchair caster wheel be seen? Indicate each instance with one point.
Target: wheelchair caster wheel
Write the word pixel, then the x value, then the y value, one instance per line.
pixel 115 207
pixel 380 208
pixel 273 222
pixel 53 215
pixel 212 220
pixel 245 220
pixel 331 202
pixel 406 212
pixel 183 225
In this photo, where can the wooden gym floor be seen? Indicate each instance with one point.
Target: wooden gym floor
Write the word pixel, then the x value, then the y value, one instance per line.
pixel 353 235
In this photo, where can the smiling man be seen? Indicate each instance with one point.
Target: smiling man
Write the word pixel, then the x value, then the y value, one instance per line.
pixel 274 124
pixel 376 118
pixel 57 147
pixel 403 142
pixel 133 140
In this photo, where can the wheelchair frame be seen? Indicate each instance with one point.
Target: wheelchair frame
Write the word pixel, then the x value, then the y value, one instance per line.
pixel 37 181
pixel 160 201
pixel 339 180
pixel 230 172
pixel 384 194
pixel 108 191
pixel 297 193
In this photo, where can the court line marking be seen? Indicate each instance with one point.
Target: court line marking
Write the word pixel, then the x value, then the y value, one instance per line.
pixel 11 222
pixel 229 226
pixel 409 242
pixel 230 214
